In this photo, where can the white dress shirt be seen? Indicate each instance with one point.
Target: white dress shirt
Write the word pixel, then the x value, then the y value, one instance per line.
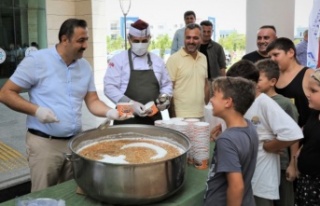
pixel 117 75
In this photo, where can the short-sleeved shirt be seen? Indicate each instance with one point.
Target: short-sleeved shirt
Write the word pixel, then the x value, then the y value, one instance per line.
pixel 235 151
pixel 271 122
pixel 189 76
pixel 254 56
pixel 53 84
pixel 287 105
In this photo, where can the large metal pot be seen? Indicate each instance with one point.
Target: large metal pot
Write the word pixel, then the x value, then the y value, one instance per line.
pixel 129 184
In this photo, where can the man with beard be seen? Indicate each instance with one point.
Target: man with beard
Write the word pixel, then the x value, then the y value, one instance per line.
pixel 58 80
pixel 266 34
pixel 189 75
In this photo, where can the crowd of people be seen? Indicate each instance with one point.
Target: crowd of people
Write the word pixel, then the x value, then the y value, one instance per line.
pixel 284 173
pixel 269 100
pixel 14 55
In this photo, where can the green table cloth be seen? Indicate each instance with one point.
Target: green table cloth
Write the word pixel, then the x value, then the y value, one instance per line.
pixel 191 194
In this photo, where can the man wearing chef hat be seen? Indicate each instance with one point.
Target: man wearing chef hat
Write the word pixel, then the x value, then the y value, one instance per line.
pixel 138 76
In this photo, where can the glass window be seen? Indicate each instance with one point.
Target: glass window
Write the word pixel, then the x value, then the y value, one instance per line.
pixel 18 3
pixel 6 3
pixel 113 26
pixel 22 23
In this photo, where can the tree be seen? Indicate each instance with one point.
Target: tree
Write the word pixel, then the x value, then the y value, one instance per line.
pixel 233 42
pixel 163 42
pixel 114 44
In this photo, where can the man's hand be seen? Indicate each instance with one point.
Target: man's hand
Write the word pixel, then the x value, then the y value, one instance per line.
pixel 46 115
pixel 163 105
pixel 113 114
pixel 139 109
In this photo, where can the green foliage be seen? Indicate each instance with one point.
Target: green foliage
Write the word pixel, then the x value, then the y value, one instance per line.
pixel 163 42
pixel 233 42
pixel 114 44
pixel 297 41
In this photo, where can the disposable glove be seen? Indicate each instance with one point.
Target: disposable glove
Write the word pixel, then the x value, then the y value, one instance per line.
pixel 113 114
pixel 163 105
pixel 163 102
pixel 46 115
pixel 139 109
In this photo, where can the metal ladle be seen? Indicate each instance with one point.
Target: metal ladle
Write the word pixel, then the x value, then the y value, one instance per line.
pixel 105 124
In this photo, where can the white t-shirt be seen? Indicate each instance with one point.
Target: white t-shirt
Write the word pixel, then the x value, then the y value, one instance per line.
pixel 271 122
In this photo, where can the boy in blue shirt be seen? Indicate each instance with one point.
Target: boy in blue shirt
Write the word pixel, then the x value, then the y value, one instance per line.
pixel 235 153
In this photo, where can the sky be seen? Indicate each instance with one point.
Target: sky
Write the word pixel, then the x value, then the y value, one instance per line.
pixel 225 11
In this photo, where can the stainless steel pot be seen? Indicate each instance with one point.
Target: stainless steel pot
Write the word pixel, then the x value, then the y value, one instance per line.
pixel 129 184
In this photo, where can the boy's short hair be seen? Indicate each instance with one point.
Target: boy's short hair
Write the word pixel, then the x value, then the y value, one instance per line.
pixel 282 43
pixel 269 68
pixel 241 90
pixel 244 68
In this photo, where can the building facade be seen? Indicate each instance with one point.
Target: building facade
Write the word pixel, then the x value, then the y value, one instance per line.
pixel 25 21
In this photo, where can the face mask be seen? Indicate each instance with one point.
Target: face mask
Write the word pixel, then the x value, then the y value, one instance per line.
pixel 139 48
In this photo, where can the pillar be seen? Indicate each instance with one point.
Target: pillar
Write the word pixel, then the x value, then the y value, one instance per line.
pixel 269 12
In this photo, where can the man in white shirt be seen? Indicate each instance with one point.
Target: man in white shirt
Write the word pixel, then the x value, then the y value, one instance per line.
pixel 138 76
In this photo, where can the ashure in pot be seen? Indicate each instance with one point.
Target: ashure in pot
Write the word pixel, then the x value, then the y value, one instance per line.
pixel 129 184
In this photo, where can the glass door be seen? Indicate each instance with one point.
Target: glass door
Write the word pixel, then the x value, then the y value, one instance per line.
pixel 22 24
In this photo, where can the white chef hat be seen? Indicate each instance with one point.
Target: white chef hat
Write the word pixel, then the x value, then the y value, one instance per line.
pixel 139 28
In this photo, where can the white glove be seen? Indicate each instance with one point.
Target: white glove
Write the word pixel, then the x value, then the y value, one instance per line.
pixel 139 109
pixel 46 115
pixel 164 105
pixel 113 114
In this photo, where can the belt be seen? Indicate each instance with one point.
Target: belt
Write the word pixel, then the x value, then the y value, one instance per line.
pixel 42 134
